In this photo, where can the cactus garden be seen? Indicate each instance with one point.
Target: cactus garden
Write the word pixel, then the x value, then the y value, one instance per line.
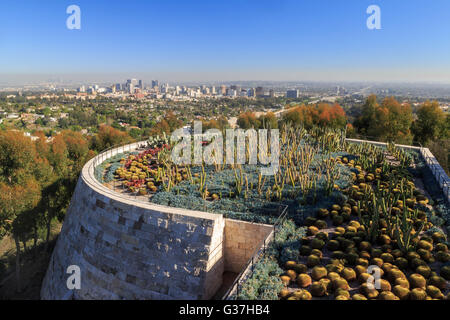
pixel 356 213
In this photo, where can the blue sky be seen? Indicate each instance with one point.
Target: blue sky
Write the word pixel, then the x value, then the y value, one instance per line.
pixel 235 39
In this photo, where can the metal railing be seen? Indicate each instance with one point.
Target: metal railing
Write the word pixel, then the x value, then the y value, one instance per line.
pixel 259 253
pixel 439 174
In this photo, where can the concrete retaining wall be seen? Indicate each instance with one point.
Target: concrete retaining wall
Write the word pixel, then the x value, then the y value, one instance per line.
pixel 242 239
pixel 127 251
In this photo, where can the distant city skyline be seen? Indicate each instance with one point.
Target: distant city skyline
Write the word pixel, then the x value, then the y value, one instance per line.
pixel 178 41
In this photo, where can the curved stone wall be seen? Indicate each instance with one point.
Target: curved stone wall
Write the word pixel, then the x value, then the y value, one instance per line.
pixel 134 250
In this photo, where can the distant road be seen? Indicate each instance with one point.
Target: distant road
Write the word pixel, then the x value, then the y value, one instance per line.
pixel 233 120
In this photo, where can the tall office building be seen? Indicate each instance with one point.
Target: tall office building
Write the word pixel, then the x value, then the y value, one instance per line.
pixel 155 84
pixel 141 84
pixel 259 92
pixel 223 89
pixel 292 94
pixel 131 85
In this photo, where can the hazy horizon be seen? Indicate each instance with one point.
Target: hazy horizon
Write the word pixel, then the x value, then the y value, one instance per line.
pixel 197 77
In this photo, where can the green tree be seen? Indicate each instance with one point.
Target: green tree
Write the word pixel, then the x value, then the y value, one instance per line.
pixel 430 124
pixel 20 170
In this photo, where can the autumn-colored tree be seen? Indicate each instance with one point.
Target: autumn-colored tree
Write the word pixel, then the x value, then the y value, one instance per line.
pixel 299 116
pixel 221 123
pixel 388 121
pixel 78 149
pixel 322 114
pixel 173 121
pixel 108 137
pixel 248 120
pixel 168 124
pixel 160 128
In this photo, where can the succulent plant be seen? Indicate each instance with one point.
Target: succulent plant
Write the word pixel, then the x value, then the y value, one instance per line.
pixel 312 230
pixel 438 281
pixel 384 285
pixel 402 282
pixel 445 272
pixel 376 253
pixel 423 244
pixel 290 264
pixel 358 296
pixel 319 272
pixel 285 279
pixel 348 274
pixel 340 284
pixel 359 269
pixel 320 224
pixel 401 292
pixel 302 294
pixel 414 263
pixel 341 292
pixel 386 295
pixel 352 258
pixel 395 274
pixel 377 262
pixel 284 293
pixel 318 289
pixel 401 263
pixel 317 252
pixel 441 247
pixel 425 255
pixel 317 244
pixel 300 268
pixel 442 256
pixel 333 245
pixel 434 292
pixel 291 274
pixel 305 250
pixel 425 271
pixel 313 261
pixel 418 294
pixel 417 281
pixel 333 276
pixel 304 280
pixel 386 267
pixel 368 291
pixel 322 213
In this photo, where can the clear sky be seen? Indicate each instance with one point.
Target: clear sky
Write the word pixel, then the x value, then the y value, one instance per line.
pixel 233 39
